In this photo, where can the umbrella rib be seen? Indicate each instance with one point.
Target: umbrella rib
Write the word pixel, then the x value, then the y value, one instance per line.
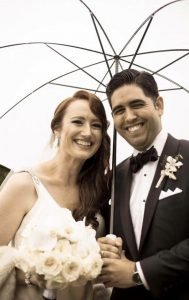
pixel 56 44
pixel 76 87
pixel 140 43
pixel 105 75
pixel 21 100
pixel 38 88
pixel 73 71
pixel 79 68
pixel 101 45
pixel 91 12
pixel 157 51
pixel 174 61
pixel 143 23
pixel 160 75
pixel 171 89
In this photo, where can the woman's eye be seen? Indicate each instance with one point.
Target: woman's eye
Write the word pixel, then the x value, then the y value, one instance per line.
pixel 78 122
pixel 97 125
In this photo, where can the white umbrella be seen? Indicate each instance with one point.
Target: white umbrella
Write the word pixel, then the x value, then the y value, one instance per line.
pixel 36 48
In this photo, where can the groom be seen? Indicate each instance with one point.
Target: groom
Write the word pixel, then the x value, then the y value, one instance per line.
pixel 151 205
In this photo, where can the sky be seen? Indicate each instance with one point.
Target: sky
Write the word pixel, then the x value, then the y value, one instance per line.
pixel 25 130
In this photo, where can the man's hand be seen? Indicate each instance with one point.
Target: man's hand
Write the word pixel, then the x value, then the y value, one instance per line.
pixel 117 272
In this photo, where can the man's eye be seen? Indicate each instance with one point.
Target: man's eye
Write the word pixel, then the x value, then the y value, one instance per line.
pixel 118 111
pixel 137 105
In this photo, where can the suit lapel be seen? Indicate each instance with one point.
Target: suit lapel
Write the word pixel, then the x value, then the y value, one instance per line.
pixel 170 149
pixel 123 200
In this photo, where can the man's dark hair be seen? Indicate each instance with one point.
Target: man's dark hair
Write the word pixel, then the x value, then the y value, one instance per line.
pixel 130 76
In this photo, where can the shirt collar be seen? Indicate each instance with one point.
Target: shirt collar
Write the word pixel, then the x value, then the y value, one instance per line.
pixel 158 143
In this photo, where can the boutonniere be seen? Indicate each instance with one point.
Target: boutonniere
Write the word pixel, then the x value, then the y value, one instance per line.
pixel 171 166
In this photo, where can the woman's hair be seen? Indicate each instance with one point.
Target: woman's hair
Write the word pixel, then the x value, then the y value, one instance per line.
pixel 94 177
pixel 131 76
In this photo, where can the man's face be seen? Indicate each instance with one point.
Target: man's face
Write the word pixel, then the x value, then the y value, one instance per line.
pixel 136 117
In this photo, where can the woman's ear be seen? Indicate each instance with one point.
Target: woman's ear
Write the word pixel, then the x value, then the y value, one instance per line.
pixel 56 139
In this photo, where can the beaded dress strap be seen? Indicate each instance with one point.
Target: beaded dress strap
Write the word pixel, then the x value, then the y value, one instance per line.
pixel 35 179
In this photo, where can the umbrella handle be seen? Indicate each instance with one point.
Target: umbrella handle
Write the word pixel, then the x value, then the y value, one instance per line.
pixel 111 236
pixel 49 294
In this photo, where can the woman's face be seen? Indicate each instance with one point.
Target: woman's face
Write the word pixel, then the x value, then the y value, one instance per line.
pixel 81 131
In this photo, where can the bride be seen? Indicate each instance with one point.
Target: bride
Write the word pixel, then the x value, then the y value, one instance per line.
pixel 77 178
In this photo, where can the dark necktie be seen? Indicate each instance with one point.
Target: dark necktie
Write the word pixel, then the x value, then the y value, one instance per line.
pixel 138 161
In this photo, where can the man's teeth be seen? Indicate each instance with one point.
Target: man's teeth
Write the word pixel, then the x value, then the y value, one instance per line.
pixel 84 143
pixel 134 128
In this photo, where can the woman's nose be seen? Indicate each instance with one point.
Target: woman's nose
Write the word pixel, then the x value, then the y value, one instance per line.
pixel 86 130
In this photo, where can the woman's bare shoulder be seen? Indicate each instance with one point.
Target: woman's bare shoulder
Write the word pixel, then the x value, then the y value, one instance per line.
pixel 17 197
pixel 19 186
pixel 20 180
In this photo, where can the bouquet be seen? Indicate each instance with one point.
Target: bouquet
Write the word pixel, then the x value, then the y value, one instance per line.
pixel 64 251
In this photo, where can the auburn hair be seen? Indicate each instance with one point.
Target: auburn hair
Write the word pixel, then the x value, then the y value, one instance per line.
pixel 94 176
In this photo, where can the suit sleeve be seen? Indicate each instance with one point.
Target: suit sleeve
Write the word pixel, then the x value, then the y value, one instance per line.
pixel 168 269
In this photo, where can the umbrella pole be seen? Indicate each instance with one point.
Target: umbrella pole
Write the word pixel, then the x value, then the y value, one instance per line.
pixel 113 187
pixel 114 146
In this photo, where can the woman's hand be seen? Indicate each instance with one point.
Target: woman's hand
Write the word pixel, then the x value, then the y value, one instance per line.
pixel 33 279
pixel 110 248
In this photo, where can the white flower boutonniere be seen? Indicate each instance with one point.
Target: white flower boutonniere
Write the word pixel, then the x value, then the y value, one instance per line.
pixel 171 166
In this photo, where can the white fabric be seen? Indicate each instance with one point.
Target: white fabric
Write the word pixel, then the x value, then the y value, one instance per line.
pixel 169 193
pixel 44 206
pixel 141 184
pixel 140 187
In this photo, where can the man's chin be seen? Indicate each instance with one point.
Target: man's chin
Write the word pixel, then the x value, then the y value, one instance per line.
pixel 138 144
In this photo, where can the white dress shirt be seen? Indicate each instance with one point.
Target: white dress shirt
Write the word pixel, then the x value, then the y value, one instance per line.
pixel 141 183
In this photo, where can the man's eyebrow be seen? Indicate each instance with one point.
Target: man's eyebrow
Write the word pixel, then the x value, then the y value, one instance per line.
pixel 136 100
pixel 133 101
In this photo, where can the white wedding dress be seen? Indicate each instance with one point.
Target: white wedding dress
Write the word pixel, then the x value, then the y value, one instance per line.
pixel 44 206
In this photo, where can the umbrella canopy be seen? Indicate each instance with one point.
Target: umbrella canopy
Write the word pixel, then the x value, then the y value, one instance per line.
pixel 49 49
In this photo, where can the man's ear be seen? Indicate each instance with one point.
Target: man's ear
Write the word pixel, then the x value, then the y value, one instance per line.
pixel 159 105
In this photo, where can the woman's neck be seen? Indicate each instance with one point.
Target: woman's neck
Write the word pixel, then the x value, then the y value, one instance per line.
pixel 62 170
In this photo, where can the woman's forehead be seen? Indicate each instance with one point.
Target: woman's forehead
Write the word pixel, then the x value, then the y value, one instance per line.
pixel 80 108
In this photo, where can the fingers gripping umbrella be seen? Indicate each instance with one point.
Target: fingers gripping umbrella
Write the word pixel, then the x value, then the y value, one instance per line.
pixel 58 67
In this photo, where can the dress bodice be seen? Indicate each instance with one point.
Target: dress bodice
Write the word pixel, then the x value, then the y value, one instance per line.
pixel 44 206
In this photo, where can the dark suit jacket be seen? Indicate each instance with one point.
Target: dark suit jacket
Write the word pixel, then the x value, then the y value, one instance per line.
pixel 164 245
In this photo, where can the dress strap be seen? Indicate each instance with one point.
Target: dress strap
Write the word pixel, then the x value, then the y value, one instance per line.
pixel 41 190
pixel 35 180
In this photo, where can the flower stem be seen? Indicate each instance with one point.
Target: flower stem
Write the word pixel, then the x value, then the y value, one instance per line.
pixel 160 181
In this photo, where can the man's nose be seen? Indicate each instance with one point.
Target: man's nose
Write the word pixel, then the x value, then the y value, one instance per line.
pixel 130 114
